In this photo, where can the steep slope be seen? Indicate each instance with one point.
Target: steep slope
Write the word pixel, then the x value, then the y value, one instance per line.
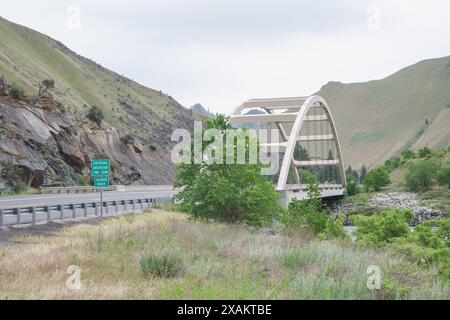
pixel 377 119
pixel 47 143
pixel 27 57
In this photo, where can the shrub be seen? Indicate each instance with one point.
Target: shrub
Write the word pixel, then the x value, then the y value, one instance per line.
pixel 96 115
pixel 425 152
pixel 61 107
pixel 376 179
pixel 164 264
pixel 379 230
pixel 420 176
pixel 45 85
pixel 392 164
pixel 17 92
pixel 314 215
pixel 409 154
pixel 82 181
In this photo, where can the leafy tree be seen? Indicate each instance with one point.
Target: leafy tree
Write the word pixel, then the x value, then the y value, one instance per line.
pixel 376 179
pixel 444 176
pixel 236 193
pixel 96 115
pixel 392 163
pixel 352 186
pixel 420 176
pixel 363 174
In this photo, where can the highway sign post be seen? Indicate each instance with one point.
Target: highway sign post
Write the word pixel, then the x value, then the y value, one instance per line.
pixel 100 170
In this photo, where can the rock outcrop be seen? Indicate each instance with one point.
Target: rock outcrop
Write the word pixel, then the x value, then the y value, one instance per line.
pixel 53 147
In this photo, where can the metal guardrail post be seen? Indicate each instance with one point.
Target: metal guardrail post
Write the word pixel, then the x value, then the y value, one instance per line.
pixel 18 212
pixel 85 209
pixel 124 205
pixel 133 205
pixel 96 208
pixel 116 205
pixel 48 210
pixel 106 207
pixel 74 211
pixel 141 201
pixel 149 202
pixel 2 218
pixel 61 212
pixel 33 216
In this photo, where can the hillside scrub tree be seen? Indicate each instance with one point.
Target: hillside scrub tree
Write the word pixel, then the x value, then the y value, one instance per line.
pixel 234 193
pixel 421 175
pixel 376 179
pixel 96 115
pixel 17 92
pixel 45 85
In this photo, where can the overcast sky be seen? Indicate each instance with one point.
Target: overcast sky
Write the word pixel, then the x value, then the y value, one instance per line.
pixel 222 52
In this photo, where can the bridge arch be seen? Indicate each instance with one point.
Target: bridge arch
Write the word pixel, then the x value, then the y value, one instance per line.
pixel 297 119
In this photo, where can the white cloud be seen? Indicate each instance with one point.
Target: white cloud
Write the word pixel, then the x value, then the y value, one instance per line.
pixel 222 52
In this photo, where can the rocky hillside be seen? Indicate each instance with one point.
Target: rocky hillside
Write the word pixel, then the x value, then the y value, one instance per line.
pixel 377 119
pixel 201 110
pixel 57 143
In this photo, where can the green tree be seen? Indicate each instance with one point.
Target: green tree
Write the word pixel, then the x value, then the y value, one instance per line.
pixel 376 179
pixel 352 186
pixel 421 175
pixel 96 115
pixel 363 174
pixel 444 176
pixel 236 193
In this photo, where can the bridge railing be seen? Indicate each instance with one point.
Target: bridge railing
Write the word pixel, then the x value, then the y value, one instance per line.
pixel 32 214
pixel 78 189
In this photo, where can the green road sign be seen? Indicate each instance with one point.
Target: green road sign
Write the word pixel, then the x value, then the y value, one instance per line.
pixel 101 182
pixel 100 168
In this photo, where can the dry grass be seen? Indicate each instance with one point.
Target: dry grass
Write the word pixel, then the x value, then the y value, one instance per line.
pixel 219 262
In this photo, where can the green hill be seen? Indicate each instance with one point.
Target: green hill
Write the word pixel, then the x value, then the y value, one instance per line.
pixel 377 119
pixel 27 57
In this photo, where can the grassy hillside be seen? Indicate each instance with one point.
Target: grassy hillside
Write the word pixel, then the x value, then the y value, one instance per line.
pixel 27 57
pixel 377 119
pixel 213 261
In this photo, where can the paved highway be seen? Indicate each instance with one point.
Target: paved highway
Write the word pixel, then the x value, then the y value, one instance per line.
pixel 71 198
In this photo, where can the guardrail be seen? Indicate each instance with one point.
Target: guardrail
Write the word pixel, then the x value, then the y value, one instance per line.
pixel 77 189
pixel 61 210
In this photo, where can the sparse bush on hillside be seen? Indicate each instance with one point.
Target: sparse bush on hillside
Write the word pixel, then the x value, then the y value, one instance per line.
pixel 96 115
pixel 376 179
pixel 421 175
pixel 392 163
pixel 128 139
pixel 45 85
pixel 12 175
pixel 61 107
pixel 17 92
pixel 363 174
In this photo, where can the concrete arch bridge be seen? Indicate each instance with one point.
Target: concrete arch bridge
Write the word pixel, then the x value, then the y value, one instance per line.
pixel 309 144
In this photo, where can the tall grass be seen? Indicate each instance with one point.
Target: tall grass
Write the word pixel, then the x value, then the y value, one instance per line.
pixel 166 256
